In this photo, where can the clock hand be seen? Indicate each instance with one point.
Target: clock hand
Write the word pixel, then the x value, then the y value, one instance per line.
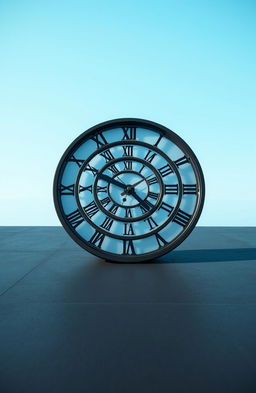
pixel 111 180
pixel 129 188
pixel 147 205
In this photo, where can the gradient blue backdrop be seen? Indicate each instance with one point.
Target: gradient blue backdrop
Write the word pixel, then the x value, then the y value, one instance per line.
pixel 67 65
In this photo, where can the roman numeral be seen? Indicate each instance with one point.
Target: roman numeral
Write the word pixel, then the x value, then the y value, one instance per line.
pixel 113 169
pixel 143 210
pixel 181 161
pixel 158 140
pixel 189 188
pixel 102 189
pixel 91 209
pixel 91 169
pixel 114 208
pixel 182 218
pixel 171 188
pixel 99 139
pixel 152 180
pixel 153 195
pixel 128 151
pixel 74 218
pixel 78 161
pixel 128 212
pixel 97 239
pixel 67 190
pixel 128 165
pixel 129 132
pixel 128 229
pixel 151 222
pixel 107 155
pixel 149 157
pixel 166 207
pixel 141 169
pixel 128 247
pixel 82 188
pixel 160 240
pixel 107 223
pixel 165 170
pixel 105 201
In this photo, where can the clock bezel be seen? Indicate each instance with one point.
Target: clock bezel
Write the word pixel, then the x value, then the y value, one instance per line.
pixel 132 122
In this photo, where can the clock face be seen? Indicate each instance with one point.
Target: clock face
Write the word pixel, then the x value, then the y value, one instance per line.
pixel 128 190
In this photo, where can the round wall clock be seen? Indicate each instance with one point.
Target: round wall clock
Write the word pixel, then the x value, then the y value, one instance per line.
pixel 128 190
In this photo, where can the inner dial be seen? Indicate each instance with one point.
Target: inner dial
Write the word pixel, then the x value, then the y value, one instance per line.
pixel 128 197
pixel 128 189
pixel 135 182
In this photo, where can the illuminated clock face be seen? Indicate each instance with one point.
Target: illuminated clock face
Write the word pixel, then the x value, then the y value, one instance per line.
pixel 128 190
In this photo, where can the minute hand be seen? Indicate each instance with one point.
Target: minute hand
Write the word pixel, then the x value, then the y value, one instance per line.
pixel 111 180
pixel 129 188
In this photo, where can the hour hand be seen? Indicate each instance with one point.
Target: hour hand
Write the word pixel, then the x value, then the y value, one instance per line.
pixel 111 180
pixel 129 188
pixel 146 204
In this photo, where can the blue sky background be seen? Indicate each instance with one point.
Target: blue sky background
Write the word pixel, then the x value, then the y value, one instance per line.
pixel 67 65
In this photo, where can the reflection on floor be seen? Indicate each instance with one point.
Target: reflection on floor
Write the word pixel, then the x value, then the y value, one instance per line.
pixel 71 322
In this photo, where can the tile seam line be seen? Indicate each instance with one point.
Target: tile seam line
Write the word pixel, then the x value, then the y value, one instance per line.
pixel 31 270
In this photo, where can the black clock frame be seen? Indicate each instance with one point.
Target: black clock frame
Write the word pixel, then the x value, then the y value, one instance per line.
pixel 132 122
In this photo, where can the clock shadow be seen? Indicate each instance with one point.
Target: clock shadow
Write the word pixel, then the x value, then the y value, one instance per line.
pixel 208 255
pixel 201 256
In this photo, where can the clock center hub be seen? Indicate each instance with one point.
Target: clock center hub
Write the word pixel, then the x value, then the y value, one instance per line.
pixel 135 184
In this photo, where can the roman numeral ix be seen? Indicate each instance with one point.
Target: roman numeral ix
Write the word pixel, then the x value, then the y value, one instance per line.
pixel 91 209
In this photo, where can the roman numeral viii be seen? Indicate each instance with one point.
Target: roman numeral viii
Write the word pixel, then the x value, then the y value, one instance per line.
pixel 74 218
pixel 91 209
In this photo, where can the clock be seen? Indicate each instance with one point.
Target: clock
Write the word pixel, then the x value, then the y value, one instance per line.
pixel 129 190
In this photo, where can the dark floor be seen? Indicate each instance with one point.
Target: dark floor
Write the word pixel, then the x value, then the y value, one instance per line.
pixel 72 323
